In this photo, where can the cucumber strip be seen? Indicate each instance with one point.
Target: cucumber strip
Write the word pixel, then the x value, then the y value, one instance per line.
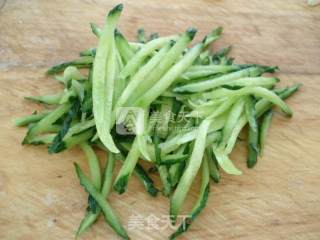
pixel 91 216
pixel 265 124
pixel 153 36
pixel 143 177
pixel 175 173
pixel 203 110
pixel 45 139
pixel 267 69
pixel 173 143
pixel 225 163
pixel 234 135
pixel 125 146
pixel 173 158
pixel 77 139
pixel 203 58
pixel 54 128
pixel 260 92
pixel 110 217
pixel 255 82
pixel 214 35
pixel 190 172
pixel 145 180
pixel 87 104
pixel 212 138
pixel 278 91
pixel 142 137
pixel 170 76
pixel 251 114
pixel 145 51
pixel 70 73
pixel 94 165
pixel 67 95
pixel 103 79
pixel 107 183
pixel 48 99
pixel 176 170
pixel 45 122
pixel 163 171
pixel 165 115
pixel 125 50
pixel 181 138
pixel 95 137
pixel 253 139
pixel 177 127
pixel 219 81
pixel 200 203
pixel 217 56
pixel 143 147
pixel 80 127
pixel 212 165
pixel 261 107
pixel 152 122
pixel 200 71
pixel 88 52
pixel 120 84
pixel 232 119
pixel 264 93
pixel 264 104
pixel 168 60
pixel 82 62
pixel 164 177
pixel 136 46
pixel 121 181
pixel 223 107
pixel 57 144
pixel 79 88
pixel 202 104
pixel 141 36
pixel 140 77
pixel 217 94
pixel 33 118
pixel 95 29
pixel 141 174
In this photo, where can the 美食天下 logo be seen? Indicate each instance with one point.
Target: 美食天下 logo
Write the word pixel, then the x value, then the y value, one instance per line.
pixel 129 121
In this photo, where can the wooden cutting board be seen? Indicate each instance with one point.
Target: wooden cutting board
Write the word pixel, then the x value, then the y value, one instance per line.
pixel 40 197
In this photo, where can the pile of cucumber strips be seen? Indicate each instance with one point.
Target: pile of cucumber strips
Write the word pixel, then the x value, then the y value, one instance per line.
pixel 162 100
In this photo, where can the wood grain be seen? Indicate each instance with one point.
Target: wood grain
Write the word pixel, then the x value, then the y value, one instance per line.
pixel 40 197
